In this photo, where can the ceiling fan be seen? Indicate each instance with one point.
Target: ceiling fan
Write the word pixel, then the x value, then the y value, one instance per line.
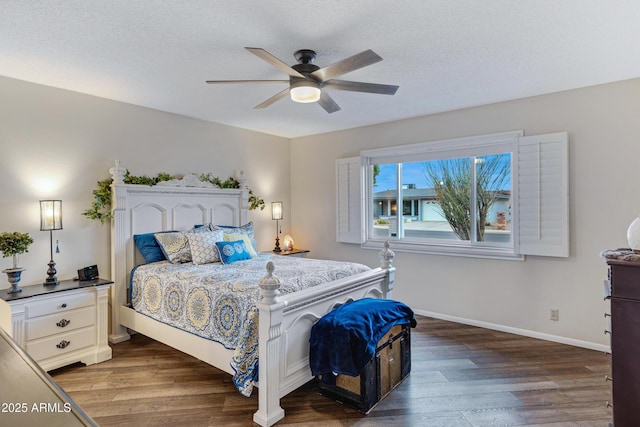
pixel 308 81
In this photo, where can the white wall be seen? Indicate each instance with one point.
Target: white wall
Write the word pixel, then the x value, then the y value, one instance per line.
pixel 605 197
pixel 58 144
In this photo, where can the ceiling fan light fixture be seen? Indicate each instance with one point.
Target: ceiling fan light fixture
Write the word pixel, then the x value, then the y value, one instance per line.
pixel 305 91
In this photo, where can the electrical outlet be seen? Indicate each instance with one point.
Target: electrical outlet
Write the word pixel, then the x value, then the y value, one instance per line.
pixel 554 314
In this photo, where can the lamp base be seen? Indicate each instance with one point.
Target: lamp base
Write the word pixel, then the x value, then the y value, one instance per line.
pixel 51 282
pixel 277 248
pixel 51 279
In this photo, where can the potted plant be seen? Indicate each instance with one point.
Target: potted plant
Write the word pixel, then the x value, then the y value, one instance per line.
pixel 14 244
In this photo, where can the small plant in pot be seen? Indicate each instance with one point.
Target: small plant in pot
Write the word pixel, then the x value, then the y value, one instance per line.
pixel 13 244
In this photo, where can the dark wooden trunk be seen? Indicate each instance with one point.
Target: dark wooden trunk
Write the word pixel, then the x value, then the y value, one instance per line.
pixel 390 365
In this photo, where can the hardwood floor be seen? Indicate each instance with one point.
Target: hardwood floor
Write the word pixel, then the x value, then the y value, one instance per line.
pixel 461 376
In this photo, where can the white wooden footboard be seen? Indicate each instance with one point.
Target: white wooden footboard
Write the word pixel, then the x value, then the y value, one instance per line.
pixel 285 328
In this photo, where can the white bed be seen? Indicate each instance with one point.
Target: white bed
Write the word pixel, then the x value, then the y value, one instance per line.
pixel 284 321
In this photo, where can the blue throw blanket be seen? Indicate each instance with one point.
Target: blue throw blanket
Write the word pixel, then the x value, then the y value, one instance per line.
pixel 344 340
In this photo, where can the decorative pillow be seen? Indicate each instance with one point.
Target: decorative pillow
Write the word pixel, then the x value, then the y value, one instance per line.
pixel 232 251
pixel 175 246
pixel 245 229
pixel 231 237
pixel 148 247
pixel 203 246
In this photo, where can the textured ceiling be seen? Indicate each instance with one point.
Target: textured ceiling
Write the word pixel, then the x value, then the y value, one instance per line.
pixel 444 55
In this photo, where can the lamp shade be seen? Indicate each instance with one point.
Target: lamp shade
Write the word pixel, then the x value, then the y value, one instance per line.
pixel 276 210
pixel 50 215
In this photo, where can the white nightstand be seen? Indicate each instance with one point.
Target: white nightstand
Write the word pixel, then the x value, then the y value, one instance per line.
pixel 298 253
pixel 59 325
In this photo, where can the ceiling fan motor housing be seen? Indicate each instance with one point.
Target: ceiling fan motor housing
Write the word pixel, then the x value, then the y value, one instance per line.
pixel 305 69
pixel 305 56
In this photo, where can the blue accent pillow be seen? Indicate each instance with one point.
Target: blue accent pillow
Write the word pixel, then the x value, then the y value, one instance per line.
pixel 149 247
pixel 232 251
pixel 244 229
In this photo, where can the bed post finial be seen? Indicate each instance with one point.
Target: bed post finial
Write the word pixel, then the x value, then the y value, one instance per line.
pixel 269 285
pixel 386 256
pixel 117 173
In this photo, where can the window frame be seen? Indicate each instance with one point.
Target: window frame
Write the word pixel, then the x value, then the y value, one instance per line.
pixel 441 150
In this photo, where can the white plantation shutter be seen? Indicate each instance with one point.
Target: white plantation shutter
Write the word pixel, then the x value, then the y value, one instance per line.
pixel 349 193
pixel 543 195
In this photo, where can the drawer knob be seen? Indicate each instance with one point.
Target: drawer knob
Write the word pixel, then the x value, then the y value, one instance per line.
pixel 607 315
pixel 64 305
pixel 63 323
pixel 63 344
pixel 609 404
pixel 606 331
pixel 608 378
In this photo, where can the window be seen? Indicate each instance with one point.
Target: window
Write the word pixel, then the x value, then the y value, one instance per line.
pixel 500 195
pixel 437 200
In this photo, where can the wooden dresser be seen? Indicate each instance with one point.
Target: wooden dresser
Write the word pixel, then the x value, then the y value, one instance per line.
pixel 624 291
pixel 59 325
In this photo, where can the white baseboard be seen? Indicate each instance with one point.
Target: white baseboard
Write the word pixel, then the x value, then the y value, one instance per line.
pixel 517 331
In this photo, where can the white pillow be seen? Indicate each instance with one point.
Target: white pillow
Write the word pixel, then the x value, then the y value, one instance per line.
pixel 203 246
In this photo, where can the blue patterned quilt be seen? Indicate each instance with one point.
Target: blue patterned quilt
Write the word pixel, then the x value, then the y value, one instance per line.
pixel 217 301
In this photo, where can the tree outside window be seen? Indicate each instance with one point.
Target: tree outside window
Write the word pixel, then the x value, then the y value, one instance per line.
pixel 452 181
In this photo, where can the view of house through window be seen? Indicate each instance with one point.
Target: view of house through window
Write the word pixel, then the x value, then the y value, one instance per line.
pixel 463 199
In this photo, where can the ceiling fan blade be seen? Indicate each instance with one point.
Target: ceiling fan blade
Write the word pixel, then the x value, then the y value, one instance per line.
pixel 274 61
pixel 246 81
pixel 328 103
pixel 361 87
pixel 278 96
pixel 347 65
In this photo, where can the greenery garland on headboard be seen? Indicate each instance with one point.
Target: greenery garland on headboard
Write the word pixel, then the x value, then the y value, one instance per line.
pixel 101 205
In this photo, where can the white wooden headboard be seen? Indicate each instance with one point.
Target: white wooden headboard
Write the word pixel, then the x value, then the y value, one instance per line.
pixel 139 209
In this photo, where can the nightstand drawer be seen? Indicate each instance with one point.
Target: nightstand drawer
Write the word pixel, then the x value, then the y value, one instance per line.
pixel 60 304
pixel 60 322
pixel 61 343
